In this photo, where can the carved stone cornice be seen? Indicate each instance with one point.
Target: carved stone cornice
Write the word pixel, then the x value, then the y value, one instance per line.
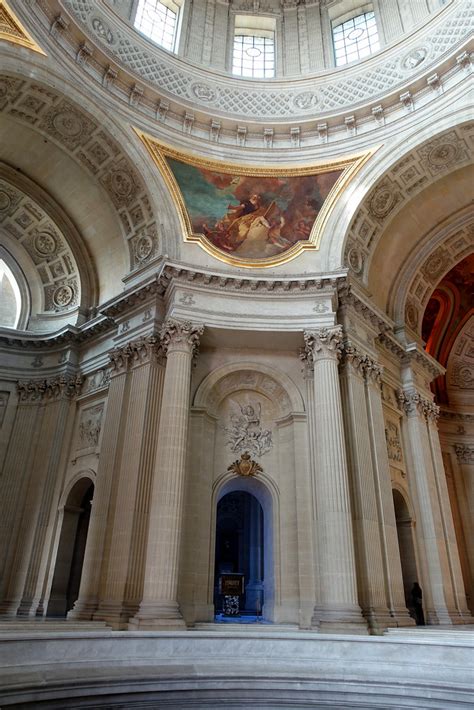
pixel 409 353
pixel 134 353
pixel 178 335
pixel 362 363
pixel 61 387
pixel 349 297
pixel 464 453
pixel 323 343
pixel 218 281
pixel 456 416
pixel 414 404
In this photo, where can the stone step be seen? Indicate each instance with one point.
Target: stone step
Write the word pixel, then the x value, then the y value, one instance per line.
pixel 27 626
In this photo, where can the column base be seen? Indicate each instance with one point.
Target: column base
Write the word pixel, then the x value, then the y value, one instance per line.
pixel 83 610
pixel 381 619
pixel 156 616
pixel 115 614
pixel 342 620
pixel 9 607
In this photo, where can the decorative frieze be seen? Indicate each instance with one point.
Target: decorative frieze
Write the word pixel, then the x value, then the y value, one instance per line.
pixel 394 446
pixel 413 403
pixel 57 388
pixel 90 426
pixel 464 453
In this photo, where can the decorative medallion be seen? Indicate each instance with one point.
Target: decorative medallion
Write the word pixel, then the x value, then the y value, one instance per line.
pixel 382 202
pixel 144 247
pixel 63 296
pixel 203 92
pixel 102 30
pixel 245 466
pixel 67 123
pixel 252 217
pixel 45 244
pixel 5 201
pixel 411 316
pixel 306 100
pixel 356 261
pixel 414 58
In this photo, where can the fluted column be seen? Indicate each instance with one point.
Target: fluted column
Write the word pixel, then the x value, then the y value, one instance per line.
pixel 338 609
pixel 371 553
pixel 438 589
pixel 14 485
pixel 159 607
pixel 94 556
pixel 123 586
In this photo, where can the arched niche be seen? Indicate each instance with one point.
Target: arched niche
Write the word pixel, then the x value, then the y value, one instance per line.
pixel 73 525
pixel 406 541
pixel 222 429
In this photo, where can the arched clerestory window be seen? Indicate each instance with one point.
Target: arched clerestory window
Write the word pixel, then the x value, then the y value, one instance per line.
pixel 355 37
pixel 160 21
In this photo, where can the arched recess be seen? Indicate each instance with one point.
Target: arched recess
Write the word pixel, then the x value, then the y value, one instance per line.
pixel 460 367
pixel 73 525
pixel 249 407
pixel 46 248
pixel 406 542
pixel 392 185
pixel 434 254
pixel 265 493
pixel 71 148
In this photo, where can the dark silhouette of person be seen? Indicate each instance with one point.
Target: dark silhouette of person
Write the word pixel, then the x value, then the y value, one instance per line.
pixel 417 603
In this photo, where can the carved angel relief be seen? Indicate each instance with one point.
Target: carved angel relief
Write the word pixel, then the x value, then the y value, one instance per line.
pixel 245 432
pixel 245 466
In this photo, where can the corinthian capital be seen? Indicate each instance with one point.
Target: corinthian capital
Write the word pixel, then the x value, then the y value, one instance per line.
pixel 362 363
pixel 61 387
pixel 180 335
pixel 414 404
pixel 324 343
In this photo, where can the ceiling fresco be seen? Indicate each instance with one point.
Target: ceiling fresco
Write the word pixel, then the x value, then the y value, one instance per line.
pixel 252 216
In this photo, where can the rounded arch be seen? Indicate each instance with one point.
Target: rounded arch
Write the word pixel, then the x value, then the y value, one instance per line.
pixel 264 489
pixel 400 494
pixel 427 263
pixel 77 485
pixel 385 185
pixel 116 188
pixel 270 382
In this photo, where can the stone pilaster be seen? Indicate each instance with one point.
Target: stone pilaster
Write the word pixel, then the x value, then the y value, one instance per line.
pixel 123 584
pixel 384 498
pixel 338 609
pixel 439 594
pixel 464 486
pixel 28 562
pixel 111 447
pixel 371 552
pixel 447 518
pixel 159 607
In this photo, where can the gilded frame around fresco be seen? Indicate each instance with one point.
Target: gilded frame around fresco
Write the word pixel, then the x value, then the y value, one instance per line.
pixel 350 166
pixel 12 30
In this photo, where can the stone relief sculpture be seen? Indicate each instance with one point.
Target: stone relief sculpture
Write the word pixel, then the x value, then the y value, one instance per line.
pixel 244 430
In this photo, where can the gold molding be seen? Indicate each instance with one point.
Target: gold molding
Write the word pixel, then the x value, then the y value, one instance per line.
pixel 12 30
pixel 350 166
